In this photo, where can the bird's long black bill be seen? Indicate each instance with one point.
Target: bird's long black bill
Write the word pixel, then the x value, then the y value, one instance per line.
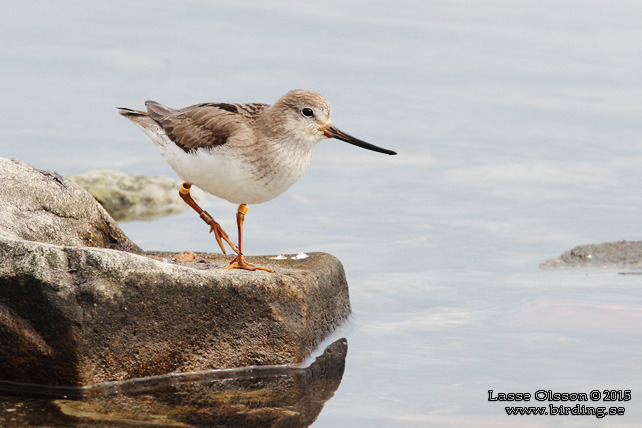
pixel 332 132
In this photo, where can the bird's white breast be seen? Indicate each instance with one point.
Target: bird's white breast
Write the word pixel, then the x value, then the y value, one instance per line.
pixel 247 176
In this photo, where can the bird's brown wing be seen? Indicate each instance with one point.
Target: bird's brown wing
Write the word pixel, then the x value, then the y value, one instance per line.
pixel 203 125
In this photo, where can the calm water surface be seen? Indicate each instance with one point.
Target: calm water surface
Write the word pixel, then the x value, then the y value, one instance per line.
pixel 518 127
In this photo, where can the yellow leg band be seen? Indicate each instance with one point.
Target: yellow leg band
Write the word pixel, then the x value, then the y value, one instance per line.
pixel 184 190
pixel 243 209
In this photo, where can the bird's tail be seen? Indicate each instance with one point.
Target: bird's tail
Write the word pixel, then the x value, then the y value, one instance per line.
pixel 140 118
pixel 130 113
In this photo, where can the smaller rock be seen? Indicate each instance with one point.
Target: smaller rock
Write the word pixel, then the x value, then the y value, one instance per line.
pixel 626 254
pixel 134 197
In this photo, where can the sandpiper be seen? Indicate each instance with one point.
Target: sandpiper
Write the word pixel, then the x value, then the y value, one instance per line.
pixel 244 153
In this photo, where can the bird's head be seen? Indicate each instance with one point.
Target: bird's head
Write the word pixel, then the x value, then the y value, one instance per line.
pixel 306 116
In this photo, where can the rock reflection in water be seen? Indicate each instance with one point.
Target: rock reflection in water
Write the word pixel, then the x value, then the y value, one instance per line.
pixel 256 397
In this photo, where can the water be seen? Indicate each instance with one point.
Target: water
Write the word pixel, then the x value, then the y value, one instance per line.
pixel 518 130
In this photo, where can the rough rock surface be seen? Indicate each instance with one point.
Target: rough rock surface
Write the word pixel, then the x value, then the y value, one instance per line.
pixel 133 197
pixel 72 314
pixel 45 207
pixel 625 254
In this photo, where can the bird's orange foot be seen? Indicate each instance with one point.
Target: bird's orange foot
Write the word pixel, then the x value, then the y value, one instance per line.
pixel 240 263
pixel 220 234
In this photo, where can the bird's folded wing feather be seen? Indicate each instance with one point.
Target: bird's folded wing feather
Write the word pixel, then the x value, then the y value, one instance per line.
pixel 202 125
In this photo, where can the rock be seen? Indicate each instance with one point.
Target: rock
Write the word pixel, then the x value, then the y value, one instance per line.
pixel 72 313
pixel 134 197
pixel 624 254
pixel 81 315
pixel 42 206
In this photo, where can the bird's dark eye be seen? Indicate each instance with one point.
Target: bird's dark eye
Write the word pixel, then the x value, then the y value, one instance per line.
pixel 307 112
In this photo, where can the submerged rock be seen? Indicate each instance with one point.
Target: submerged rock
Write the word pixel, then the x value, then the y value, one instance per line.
pixel 134 197
pixel 269 396
pixel 74 314
pixel 625 254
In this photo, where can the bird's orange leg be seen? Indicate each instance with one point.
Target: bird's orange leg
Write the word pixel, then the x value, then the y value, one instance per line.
pixel 239 261
pixel 219 233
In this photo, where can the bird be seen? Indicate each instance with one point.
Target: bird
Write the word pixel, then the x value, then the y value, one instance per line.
pixel 245 153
